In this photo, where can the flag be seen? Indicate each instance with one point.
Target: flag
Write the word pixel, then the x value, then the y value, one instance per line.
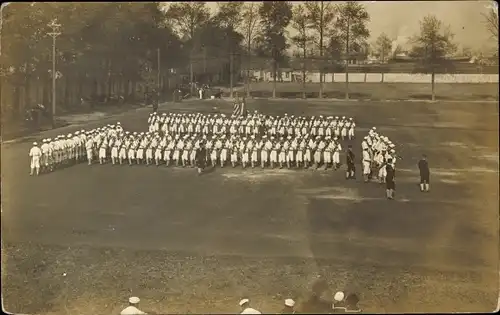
pixel 239 109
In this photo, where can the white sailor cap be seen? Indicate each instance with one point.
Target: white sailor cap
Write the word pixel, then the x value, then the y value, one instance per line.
pixel 289 302
pixel 339 296
pixel 374 128
pixel 134 300
pixel 393 151
pixel 34 143
pixel 244 301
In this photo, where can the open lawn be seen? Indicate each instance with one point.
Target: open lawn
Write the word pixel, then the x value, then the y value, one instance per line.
pixel 84 239
pixel 377 91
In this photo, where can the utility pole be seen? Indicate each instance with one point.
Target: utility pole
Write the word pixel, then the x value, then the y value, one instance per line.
pixel 55 32
pixel 158 75
pixel 204 60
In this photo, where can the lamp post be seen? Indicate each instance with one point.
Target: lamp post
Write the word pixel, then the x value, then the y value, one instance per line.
pixel 54 33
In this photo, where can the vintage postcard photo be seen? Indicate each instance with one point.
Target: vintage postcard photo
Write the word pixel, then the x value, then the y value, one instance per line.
pixel 272 157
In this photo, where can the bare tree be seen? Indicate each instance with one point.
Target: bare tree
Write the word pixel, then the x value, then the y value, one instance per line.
pixel 249 27
pixel 302 39
pixel 321 16
pixel 351 24
pixel 491 22
pixel 383 49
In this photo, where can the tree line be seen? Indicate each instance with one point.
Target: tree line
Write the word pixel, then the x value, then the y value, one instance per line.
pixel 108 50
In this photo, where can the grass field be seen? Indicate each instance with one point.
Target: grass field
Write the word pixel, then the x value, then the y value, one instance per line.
pixel 84 239
pixel 377 91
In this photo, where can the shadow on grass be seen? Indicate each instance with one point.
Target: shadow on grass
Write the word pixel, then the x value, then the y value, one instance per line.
pixel 485 97
pixel 29 134
pixel 426 97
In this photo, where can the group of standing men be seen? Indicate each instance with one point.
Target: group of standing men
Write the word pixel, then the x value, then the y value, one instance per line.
pixel 379 160
pixel 257 139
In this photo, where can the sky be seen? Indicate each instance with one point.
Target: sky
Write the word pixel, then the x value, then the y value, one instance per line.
pixel 400 19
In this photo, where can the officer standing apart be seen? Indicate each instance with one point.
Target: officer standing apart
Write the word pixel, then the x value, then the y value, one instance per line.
pixel 351 169
pixel 201 157
pixel 423 166
pixel 389 180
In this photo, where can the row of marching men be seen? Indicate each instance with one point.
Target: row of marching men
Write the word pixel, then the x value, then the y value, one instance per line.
pixel 255 124
pixel 112 143
pixel 152 148
pixel 65 150
pixel 379 160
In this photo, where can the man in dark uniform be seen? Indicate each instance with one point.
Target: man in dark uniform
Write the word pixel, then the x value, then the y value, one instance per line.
pixel 201 157
pixel 154 100
pixel 351 169
pixel 390 185
pixel 423 166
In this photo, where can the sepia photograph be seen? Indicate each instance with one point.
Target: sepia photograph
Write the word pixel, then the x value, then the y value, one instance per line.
pixel 269 157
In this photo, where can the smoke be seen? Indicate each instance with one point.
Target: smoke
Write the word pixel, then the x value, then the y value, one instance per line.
pixel 400 20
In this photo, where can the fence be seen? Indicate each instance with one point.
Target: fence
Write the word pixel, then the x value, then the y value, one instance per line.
pixel 314 77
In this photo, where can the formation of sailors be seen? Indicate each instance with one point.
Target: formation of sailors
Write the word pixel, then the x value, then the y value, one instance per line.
pixel 256 140
pixel 254 124
pixel 378 152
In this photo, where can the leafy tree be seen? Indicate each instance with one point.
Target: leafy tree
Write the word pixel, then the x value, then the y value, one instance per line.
pixel 97 67
pixel 351 27
pixel 432 46
pixel 249 28
pixel 229 17
pixel 186 18
pixel 302 39
pixel 320 15
pixel 275 17
pixel 383 47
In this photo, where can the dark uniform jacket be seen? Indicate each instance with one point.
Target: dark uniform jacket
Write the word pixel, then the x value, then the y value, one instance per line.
pixel 350 157
pixel 201 155
pixel 423 166
pixel 391 173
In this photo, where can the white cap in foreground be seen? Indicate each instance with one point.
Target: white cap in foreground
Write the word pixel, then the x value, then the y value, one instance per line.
pixel 289 302
pixel 339 296
pixel 134 300
pixel 244 301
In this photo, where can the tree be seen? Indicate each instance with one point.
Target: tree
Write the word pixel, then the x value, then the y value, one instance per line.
pixel 432 46
pixel 491 22
pixel 351 25
pixel 229 18
pixel 275 17
pixel 333 51
pixel 186 18
pixel 96 67
pixel 383 47
pixel 249 27
pixel 302 39
pixel 320 16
